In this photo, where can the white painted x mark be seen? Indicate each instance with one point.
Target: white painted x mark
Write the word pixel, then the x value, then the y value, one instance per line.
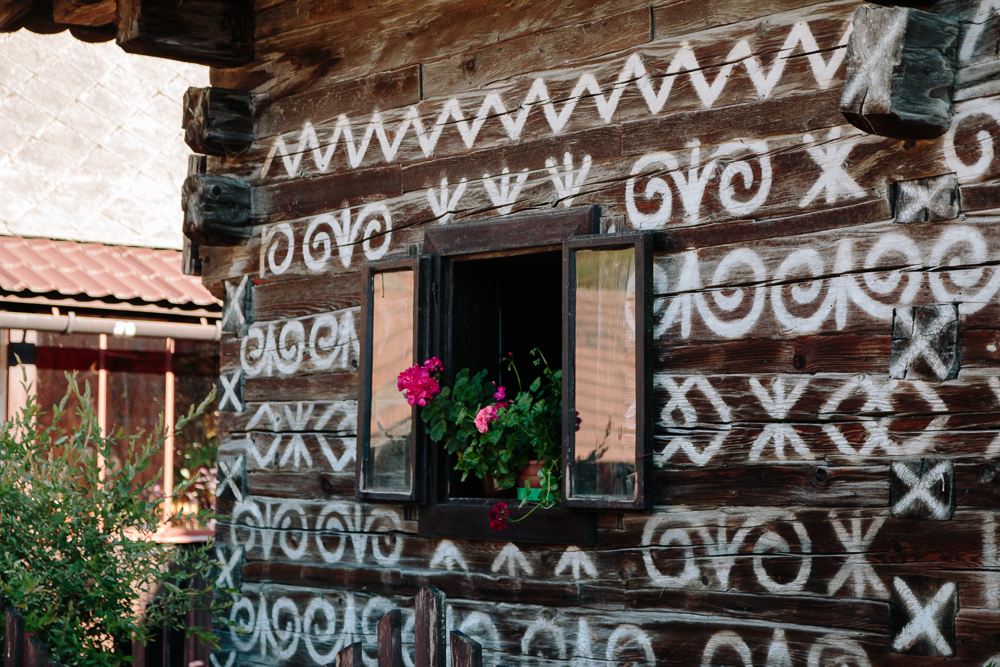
pixel 233 311
pixel 833 180
pixel 230 384
pixel 924 621
pixel 920 343
pixel 920 489
pixel 225 578
pixel 230 472
pixel 872 60
pixel 918 197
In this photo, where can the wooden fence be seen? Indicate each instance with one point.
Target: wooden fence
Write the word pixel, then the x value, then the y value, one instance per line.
pixel 21 650
pixel 429 633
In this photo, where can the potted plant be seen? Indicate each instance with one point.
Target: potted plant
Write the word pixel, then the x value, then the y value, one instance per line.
pixel 507 441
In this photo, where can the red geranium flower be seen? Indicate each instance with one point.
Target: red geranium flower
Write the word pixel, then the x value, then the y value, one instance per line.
pixel 498 516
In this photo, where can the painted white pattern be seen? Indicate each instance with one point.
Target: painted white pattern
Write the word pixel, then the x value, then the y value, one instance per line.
pixel 544 625
pixel 233 316
pixel 290 451
pixel 447 556
pixel 304 416
pixel 919 489
pixel 569 180
pixel 229 567
pixel 835 298
pixel 856 569
pixel 443 201
pixel 505 195
pixel 575 560
pixel 920 345
pixel 230 659
pixel 777 652
pixel 835 650
pixel 231 472
pixel 991 560
pixel 257 524
pixel 975 30
pixel 513 121
pixel 726 639
pixel 679 402
pixel 327 342
pixel 978 107
pixel 834 182
pixel 923 618
pixel 230 391
pixel 778 404
pixel 511 557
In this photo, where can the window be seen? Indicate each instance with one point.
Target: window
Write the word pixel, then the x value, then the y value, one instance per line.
pixel 493 288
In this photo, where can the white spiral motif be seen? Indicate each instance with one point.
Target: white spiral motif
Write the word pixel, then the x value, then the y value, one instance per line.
pixel 743 170
pixel 320 241
pixel 380 223
pixel 273 245
pixel 655 187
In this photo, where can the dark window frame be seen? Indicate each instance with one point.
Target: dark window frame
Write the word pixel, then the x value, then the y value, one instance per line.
pixel 642 243
pixel 421 311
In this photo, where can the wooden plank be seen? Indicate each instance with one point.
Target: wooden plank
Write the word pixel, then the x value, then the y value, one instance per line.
pixel 390 643
pixel 465 651
pixel 277 300
pixel 35 652
pixel 13 638
pixel 89 13
pixel 350 656
pixel 429 629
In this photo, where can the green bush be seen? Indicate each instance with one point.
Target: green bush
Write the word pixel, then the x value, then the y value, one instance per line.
pixel 73 558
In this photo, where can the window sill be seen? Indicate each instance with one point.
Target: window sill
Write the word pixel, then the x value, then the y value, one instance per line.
pixel 468 519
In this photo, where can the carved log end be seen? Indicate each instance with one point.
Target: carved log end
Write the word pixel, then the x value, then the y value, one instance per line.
pixel 218 121
pixel 900 72
pixel 217 210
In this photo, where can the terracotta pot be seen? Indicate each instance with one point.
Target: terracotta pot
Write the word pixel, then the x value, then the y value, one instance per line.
pixel 529 473
pixel 491 490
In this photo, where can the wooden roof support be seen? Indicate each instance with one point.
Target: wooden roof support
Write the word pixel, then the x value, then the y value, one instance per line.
pixel 218 121
pixel 219 33
pixel 15 14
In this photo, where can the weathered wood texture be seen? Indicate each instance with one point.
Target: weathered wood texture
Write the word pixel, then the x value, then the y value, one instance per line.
pixel 208 32
pixel 827 394
pixel 900 72
pixel 13 644
pixel 218 121
pixel 216 209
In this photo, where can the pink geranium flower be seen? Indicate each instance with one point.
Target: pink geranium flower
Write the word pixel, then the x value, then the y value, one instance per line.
pixel 418 385
pixel 500 394
pixel 434 364
pixel 485 417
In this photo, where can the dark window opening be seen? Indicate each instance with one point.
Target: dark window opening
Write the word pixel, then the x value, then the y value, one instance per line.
pixel 501 306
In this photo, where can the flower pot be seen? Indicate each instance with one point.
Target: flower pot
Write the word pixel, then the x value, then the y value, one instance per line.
pixel 491 490
pixel 529 476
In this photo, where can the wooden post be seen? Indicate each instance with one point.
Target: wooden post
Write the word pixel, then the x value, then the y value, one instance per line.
pixel 218 121
pixel 465 651
pixel 430 627
pixel 218 33
pixel 350 656
pixel 900 72
pixel 390 639
pixel 35 653
pixel 216 210
pixel 13 640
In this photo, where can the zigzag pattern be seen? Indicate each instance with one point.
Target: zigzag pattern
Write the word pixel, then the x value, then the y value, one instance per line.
pixel 634 71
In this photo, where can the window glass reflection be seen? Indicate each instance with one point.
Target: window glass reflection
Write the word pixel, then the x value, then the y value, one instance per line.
pixel 388 466
pixel 605 374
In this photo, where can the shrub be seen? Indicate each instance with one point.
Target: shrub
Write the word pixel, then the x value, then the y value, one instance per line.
pixel 75 558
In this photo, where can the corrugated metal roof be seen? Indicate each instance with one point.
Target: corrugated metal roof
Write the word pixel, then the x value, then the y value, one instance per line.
pixel 98 271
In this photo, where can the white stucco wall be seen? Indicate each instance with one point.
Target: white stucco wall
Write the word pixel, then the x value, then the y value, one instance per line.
pixel 91 147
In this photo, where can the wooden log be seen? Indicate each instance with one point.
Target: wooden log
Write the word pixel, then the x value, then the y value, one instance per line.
pixel 13 643
pixel 219 33
pixel 925 343
pixel 191 258
pixel 465 651
pixel 922 489
pixel 15 14
pixel 232 387
pixel 390 639
pixel 922 614
pixel 96 13
pixel 927 199
pixel 35 653
pixel 900 72
pixel 430 627
pixel 350 656
pixel 93 35
pixel 218 121
pixel 232 476
pixel 217 209
pixel 238 307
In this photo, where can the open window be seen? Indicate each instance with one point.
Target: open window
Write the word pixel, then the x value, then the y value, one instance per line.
pixel 536 280
pixel 393 311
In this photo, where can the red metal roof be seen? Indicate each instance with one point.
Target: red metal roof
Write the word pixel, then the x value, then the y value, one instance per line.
pixel 97 271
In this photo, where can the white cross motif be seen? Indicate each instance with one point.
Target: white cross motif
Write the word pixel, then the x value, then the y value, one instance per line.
pixel 444 204
pixel 233 317
pixel 920 489
pixel 917 197
pixel 230 472
pixel 778 406
pixel 834 180
pixel 230 566
pixel 923 621
pixel 920 342
pixel 230 394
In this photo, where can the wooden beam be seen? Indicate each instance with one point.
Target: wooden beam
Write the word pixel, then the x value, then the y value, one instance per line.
pixel 84 12
pixel 218 121
pixel 15 14
pixel 900 72
pixel 216 209
pixel 219 33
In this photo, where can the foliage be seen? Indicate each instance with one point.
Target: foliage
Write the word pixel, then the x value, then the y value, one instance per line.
pixel 527 427
pixel 75 555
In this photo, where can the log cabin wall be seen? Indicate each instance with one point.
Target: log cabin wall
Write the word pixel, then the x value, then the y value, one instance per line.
pixel 826 338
